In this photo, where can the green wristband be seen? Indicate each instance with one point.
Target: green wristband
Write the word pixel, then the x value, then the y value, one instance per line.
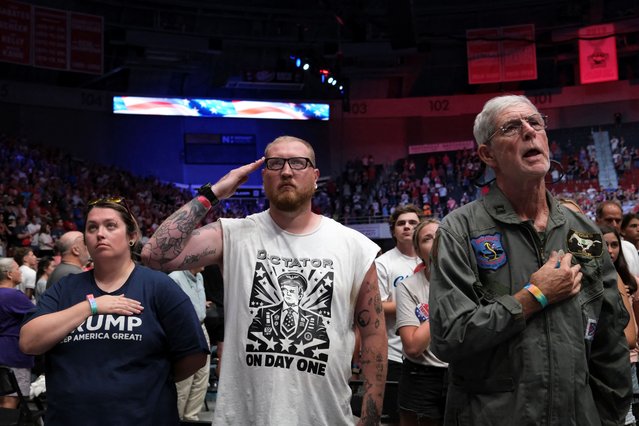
pixel 93 304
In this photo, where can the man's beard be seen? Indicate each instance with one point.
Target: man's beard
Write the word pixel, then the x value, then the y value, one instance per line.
pixel 289 200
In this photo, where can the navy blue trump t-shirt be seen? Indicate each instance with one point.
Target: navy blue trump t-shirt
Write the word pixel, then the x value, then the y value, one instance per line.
pixel 117 369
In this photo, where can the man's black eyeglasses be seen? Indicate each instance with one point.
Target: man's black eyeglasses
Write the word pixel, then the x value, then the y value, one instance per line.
pixel 511 128
pixel 295 163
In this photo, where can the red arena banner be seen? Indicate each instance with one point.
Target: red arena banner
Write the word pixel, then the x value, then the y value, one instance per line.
pixel 86 41
pixel 483 56
pixel 598 54
pixel 15 30
pixel 519 55
pixel 50 43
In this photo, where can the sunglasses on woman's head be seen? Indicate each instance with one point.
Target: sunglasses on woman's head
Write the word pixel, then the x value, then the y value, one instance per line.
pixel 110 200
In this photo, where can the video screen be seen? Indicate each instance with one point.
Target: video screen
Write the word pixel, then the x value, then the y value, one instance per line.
pixel 220 108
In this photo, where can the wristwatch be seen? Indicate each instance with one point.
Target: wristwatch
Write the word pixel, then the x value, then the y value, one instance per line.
pixel 207 191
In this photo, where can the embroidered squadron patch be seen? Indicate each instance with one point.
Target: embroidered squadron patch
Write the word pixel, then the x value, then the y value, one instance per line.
pixel 585 243
pixel 489 251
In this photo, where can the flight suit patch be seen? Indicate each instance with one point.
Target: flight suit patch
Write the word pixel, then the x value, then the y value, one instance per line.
pixel 489 251
pixel 587 244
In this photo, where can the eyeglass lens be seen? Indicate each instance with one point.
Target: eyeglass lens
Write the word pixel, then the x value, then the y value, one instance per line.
pixel 295 163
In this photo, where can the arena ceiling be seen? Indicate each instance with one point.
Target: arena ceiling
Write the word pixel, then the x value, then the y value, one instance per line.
pixel 416 48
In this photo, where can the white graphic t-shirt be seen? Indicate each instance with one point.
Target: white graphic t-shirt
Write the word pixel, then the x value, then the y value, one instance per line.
pixel 289 331
pixel 392 268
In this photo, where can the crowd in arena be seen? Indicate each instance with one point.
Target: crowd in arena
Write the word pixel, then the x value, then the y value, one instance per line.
pixel 46 190
pixel 47 193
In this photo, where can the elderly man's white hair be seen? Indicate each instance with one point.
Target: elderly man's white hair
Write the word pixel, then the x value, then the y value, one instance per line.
pixel 485 122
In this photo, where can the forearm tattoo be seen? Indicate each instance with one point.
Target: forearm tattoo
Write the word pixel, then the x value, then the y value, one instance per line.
pixel 171 237
pixel 372 358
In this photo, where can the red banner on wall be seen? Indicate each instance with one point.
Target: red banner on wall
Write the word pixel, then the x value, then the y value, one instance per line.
pixel 86 43
pixel 50 38
pixel 598 54
pixel 501 54
pixel 484 56
pixel 519 56
pixel 15 31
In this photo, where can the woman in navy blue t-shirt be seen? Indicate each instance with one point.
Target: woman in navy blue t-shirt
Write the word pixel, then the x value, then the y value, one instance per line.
pixel 117 338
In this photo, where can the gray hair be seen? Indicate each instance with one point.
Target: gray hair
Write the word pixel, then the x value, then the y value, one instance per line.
pixel 485 122
pixel 6 264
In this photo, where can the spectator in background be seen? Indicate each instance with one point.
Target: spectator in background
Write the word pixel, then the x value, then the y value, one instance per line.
pixel 610 213
pixel 46 266
pixel 73 256
pixel 628 289
pixel 33 227
pixel 630 228
pixel 57 230
pixel 530 333
pixel 392 268
pixel 14 305
pixel 4 236
pixel 424 378
pixel 28 264
pixel 191 391
pixel 45 241
pixel 214 321
pixel 21 235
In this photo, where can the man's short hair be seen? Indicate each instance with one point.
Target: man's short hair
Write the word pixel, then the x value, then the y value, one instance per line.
pixel 286 138
pixel 20 253
pixel 66 242
pixel 400 210
pixel 603 204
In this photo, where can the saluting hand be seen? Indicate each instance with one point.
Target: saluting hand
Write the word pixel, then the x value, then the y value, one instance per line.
pixel 228 184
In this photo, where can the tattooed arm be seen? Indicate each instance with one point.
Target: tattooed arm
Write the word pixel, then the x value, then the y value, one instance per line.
pixel 177 244
pixel 369 316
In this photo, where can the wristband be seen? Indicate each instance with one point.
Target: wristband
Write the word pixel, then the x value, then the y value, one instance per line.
pixel 207 191
pixel 204 201
pixel 93 304
pixel 534 290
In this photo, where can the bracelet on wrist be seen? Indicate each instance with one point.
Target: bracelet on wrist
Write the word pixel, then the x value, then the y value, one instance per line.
pixel 204 201
pixel 207 192
pixel 537 294
pixel 92 304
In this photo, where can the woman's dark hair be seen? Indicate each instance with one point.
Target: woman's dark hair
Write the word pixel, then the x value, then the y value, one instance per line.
pixel 620 264
pixel 627 218
pixel 43 264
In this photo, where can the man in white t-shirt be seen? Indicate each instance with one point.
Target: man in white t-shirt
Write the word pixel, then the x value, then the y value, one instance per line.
pixel 610 213
pixel 28 264
pixel 392 267
pixel 284 371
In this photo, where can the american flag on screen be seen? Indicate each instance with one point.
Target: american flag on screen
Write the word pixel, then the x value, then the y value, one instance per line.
pixel 220 108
